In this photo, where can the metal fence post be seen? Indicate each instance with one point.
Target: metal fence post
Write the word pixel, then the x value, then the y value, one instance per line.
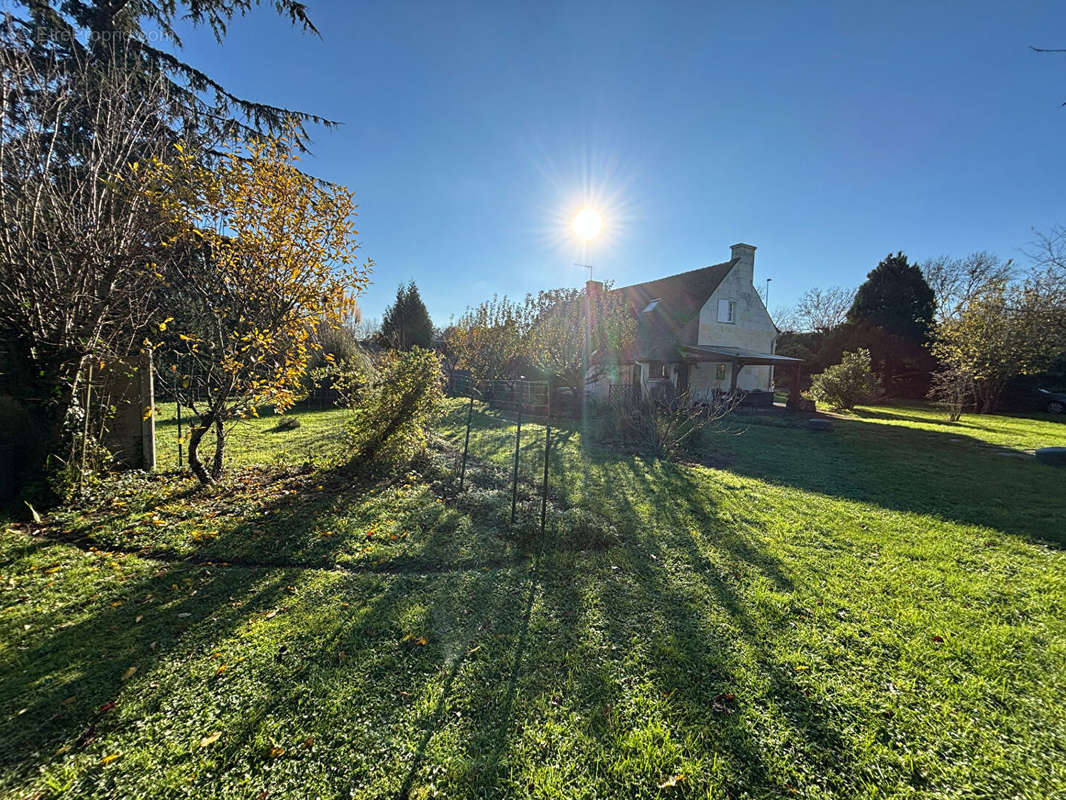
pixel 179 428
pixel 466 445
pixel 547 451
pixel 514 479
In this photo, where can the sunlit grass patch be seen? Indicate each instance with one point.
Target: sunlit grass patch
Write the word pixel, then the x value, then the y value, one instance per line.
pixel 877 611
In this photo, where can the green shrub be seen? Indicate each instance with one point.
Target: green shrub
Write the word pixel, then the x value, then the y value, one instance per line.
pixel 390 423
pixel 348 370
pixel 848 383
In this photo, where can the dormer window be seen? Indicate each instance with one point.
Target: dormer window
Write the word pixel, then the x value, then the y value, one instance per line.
pixel 727 311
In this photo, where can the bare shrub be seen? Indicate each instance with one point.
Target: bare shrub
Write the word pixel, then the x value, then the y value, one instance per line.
pixel 663 428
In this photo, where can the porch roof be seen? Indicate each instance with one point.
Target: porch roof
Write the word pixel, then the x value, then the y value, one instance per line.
pixel 737 355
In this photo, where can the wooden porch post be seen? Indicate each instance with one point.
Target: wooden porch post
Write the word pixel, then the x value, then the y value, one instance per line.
pixel 737 367
pixel 794 390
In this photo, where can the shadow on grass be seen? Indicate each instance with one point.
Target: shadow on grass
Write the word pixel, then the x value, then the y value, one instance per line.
pixel 703 654
pixel 651 657
pixel 950 476
pixel 68 676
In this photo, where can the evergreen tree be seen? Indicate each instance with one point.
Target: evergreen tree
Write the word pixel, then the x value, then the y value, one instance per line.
pixel 406 323
pixel 79 32
pixel 897 299
pixel 892 317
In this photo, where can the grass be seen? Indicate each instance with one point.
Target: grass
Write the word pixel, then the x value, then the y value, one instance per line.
pixel 253 441
pixel 879 611
pixel 1012 431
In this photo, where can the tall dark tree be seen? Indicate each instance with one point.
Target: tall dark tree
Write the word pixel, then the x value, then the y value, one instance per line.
pixel 897 299
pixel 892 316
pixel 406 323
pixel 80 31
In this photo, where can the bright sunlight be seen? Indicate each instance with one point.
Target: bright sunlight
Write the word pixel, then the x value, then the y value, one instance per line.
pixel 588 223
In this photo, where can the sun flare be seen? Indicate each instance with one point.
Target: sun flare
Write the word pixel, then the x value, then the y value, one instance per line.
pixel 588 223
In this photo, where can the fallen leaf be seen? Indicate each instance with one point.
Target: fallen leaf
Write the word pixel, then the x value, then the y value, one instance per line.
pixel 210 739
pixel 673 780
pixel 110 758
pixel 33 511
pixel 106 707
pixel 129 673
pixel 276 752
pixel 722 702
pixel 271 614
pixel 220 670
pixel 938 639
pixel 139 618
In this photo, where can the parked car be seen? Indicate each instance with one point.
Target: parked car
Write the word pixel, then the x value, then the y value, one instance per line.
pixel 1053 402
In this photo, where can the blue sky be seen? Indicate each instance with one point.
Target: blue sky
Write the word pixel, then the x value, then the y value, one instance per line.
pixel 826 134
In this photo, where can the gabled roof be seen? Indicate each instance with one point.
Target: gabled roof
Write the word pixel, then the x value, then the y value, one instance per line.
pixel 674 321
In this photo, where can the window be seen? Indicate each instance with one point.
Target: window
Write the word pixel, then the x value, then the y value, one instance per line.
pixel 719 372
pixel 656 370
pixel 727 311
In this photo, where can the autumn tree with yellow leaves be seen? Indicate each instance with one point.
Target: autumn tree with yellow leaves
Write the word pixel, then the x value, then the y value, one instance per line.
pixel 269 260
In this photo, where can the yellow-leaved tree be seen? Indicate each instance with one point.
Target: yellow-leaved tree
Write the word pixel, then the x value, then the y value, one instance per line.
pixel 269 259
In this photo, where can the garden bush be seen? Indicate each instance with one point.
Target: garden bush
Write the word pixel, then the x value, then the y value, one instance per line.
pixel 389 424
pixel 847 384
pixel 664 429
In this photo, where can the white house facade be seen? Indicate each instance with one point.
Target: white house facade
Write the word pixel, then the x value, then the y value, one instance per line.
pixel 699 333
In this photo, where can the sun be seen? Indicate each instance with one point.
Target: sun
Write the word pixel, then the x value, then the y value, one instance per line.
pixel 588 223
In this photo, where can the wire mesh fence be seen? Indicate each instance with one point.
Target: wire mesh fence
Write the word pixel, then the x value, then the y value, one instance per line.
pixel 505 447
pixel 515 403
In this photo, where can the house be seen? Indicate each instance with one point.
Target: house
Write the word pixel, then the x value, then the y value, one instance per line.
pixel 701 332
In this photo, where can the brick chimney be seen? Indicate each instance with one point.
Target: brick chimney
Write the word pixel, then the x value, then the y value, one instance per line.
pixel 744 255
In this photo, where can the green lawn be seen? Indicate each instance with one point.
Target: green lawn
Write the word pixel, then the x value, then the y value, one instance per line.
pixel 879 611
pixel 251 441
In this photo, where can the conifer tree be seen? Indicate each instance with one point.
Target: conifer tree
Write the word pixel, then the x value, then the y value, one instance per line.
pixel 406 323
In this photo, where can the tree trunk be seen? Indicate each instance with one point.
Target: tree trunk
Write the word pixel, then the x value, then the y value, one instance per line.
pixel 987 393
pixel 220 448
pixel 196 434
